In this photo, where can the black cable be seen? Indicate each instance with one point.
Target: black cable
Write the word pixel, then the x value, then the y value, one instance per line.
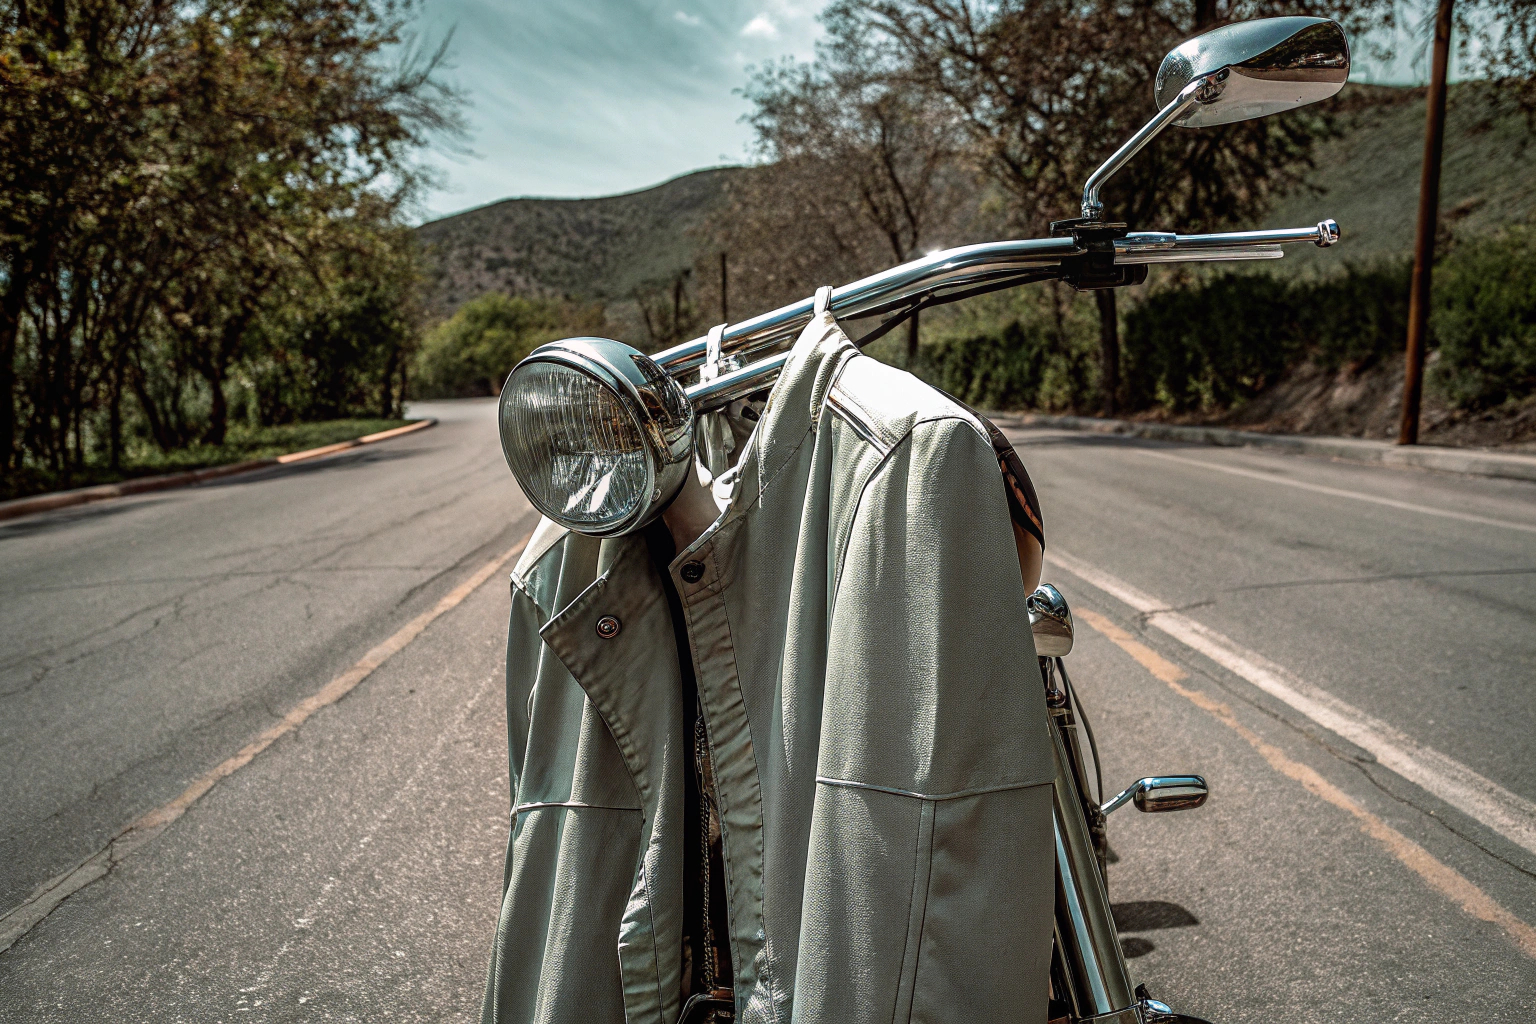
pixel 1098 769
pixel 935 299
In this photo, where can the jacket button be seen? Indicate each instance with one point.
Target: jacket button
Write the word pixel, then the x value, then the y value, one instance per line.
pixel 608 627
pixel 692 572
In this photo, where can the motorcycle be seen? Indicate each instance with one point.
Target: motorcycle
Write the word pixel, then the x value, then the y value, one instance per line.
pixel 629 403
pixel 1089 977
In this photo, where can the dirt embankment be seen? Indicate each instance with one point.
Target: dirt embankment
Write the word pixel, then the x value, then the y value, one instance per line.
pixel 1354 402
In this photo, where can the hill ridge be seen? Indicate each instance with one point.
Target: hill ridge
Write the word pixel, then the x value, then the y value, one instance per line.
pixel 608 248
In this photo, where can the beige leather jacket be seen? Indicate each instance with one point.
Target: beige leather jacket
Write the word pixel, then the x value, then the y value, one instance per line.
pixel 874 711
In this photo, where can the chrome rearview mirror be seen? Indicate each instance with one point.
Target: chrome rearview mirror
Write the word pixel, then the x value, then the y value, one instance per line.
pixel 1234 73
pixel 1162 793
pixel 1271 65
pixel 598 436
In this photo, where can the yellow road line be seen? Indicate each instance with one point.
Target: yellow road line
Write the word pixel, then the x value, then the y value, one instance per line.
pixel 1441 877
pixel 1480 798
pixel 22 919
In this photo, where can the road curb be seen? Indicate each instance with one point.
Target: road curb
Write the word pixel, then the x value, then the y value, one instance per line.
pixel 63 499
pixel 1346 449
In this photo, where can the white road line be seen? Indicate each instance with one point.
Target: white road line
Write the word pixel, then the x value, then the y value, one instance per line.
pixel 1509 814
pixel 1339 492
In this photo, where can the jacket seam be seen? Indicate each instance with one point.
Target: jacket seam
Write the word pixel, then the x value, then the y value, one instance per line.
pixel 858 509
pixel 922 923
pixel 768 972
pixel 853 523
pixel 774 991
pixel 650 911
pixel 906 940
pixel 540 804
pixel 961 794
pixel 870 429
pixel 847 412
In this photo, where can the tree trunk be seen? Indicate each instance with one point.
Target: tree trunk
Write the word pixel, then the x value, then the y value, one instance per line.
pixel 386 391
pixel 1109 349
pixel 160 427
pixel 10 327
pixel 912 340
pixel 218 415
pixel 725 303
pixel 79 457
pixel 115 419
pixel 1424 242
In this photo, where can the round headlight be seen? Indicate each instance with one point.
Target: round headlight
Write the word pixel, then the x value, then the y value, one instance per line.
pixel 597 434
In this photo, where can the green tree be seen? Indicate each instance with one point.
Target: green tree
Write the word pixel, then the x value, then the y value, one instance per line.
pixel 860 167
pixel 171 177
pixel 472 352
pixel 1047 89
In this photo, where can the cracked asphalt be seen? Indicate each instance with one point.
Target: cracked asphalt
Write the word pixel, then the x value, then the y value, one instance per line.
pixel 351 871
pixel 146 639
pixel 1269 903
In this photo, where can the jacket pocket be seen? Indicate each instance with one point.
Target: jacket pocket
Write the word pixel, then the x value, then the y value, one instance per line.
pixel 923 908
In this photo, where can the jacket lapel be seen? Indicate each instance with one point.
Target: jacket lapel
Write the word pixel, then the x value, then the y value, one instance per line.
pixel 616 639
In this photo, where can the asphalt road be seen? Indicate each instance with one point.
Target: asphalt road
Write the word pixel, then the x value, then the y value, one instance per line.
pixel 1274 901
pixel 350 872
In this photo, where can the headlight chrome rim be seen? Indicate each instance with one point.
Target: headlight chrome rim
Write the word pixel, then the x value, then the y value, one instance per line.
pixel 656 406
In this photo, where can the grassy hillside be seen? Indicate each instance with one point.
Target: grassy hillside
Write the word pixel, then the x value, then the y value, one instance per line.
pixel 586 248
pixel 1368 178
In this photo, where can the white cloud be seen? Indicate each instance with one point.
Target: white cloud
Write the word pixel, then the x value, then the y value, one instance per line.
pixel 761 27
pixel 692 20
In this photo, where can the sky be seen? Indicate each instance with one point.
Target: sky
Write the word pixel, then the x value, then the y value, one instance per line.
pixel 574 98
pixel 594 97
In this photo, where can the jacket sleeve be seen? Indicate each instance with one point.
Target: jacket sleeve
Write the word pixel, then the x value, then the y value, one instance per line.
pixel 930 876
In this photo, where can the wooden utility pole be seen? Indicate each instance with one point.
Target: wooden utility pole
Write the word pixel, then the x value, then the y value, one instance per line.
pixel 1424 241
pixel 725 305
pixel 1109 348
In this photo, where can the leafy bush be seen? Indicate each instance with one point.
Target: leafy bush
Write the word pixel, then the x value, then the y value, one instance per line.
pixel 1484 318
pixel 340 347
pixel 1209 346
pixel 988 371
pixel 1359 316
pixel 1218 343
pixel 1043 356
pixel 472 352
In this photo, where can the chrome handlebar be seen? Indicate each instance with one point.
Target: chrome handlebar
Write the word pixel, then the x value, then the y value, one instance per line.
pixel 952 274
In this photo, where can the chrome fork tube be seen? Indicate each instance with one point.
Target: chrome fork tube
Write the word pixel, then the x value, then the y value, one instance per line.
pixel 1085 928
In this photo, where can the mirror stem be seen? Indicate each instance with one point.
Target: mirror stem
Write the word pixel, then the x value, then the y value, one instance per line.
pixel 1201 90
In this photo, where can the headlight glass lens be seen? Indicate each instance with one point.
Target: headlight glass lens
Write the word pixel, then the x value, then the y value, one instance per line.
pixel 573 446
